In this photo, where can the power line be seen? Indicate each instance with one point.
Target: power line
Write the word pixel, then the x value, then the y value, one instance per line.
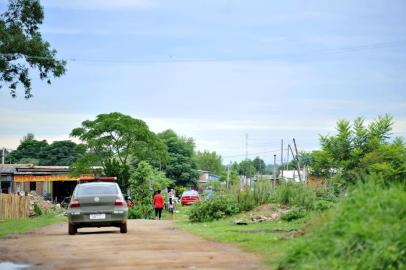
pixel 373 46
pixel 252 154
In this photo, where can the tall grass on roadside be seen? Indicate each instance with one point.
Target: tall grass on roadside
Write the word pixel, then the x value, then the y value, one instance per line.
pixel 248 200
pixel 366 231
pixel 222 205
pixel 295 194
pixel 303 198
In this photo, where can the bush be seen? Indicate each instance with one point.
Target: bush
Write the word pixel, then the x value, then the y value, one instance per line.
pixel 295 194
pixel 366 231
pixel 300 195
pixel 246 200
pixel 141 211
pixel 37 210
pixel 294 213
pixel 323 205
pixel 217 207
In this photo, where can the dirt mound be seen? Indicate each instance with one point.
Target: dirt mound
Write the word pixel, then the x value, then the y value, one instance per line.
pixel 43 204
pixel 266 212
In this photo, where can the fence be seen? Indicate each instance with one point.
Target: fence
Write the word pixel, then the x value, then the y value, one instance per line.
pixel 13 206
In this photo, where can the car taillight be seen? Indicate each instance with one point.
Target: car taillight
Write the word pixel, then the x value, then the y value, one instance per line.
pixel 120 202
pixel 74 203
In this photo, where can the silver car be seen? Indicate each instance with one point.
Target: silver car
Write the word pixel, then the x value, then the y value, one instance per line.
pixel 97 204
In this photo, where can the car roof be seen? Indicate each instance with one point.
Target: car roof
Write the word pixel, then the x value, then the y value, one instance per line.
pixel 97 183
pixel 190 192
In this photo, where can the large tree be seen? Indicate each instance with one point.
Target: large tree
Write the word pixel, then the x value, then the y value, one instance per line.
pixel 259 165
pixel 247 168
pixel 30 150
pixel 22 47
pixel 181 167
pixel 209 161
pixel 118 137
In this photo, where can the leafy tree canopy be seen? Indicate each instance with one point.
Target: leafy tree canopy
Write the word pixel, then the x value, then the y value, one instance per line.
pixel 358 149
pixel 259 165
pixel 58 153
pixel 119 136
pixel 22 47
pixel 247 168
pixel 181 166
pixel 116 142
pixel 209 161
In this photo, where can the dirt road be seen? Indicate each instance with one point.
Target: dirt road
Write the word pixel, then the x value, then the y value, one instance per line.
pixel 149 244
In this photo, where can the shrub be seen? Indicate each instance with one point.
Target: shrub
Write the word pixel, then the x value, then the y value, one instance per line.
pixel 294 213
pixel 141 211
pixel 248 200
pixel 295 194
pixel 245 200
pixel 217 207
pixel 37 210
pixel 262 192
pixel 323 205
pixel 365 231
pixel 300 195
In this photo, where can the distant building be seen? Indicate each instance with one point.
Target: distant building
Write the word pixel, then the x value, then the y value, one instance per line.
pixel 206 176
pixel 52 182
pixel 292 175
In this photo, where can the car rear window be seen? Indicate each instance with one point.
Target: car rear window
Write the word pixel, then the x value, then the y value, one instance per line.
pixel 95 189
pixel 190 193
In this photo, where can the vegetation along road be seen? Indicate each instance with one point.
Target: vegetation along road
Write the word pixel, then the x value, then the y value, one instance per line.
pixel 149 244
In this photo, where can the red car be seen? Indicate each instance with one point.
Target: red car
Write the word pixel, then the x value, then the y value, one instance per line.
pixel 189 197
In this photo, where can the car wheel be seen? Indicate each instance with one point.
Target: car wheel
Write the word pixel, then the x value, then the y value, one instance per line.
pixel 123 228
pixel 72 229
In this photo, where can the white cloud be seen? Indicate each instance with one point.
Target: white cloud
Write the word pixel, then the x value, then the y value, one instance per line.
pixel 99 4
pixel 48 126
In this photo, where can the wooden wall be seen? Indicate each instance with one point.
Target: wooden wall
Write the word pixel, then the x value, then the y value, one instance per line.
pixel 13 206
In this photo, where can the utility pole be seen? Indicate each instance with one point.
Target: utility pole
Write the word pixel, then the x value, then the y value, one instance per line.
pixel 282 159
pixel 274 172
pixel 2 157
pixel 297 160
pixel 246 146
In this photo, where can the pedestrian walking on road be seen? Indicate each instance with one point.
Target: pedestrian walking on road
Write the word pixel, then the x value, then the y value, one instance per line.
pixel 171 203
pixel 158 204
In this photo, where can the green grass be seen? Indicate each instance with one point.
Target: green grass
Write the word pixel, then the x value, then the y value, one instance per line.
pixel 366 231
pixel 267 239
pixel 27 224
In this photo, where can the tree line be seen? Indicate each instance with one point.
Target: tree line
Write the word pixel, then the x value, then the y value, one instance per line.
pixel 118 143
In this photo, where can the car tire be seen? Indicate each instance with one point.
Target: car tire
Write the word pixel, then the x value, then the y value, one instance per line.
pixel 72 229
pixel 123 228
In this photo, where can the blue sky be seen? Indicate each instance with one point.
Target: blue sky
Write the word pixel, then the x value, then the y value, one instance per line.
pixel 216 70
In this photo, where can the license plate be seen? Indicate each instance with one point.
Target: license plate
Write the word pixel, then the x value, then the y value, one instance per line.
pixel 97 216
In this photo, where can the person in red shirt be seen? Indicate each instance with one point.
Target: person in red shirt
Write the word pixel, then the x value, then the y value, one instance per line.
pixel 158 204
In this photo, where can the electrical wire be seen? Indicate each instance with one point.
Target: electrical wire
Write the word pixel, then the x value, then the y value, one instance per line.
pixel 374 46
pixel 252 154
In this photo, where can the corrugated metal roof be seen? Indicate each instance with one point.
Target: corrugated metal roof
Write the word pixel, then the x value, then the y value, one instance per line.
pixel 29 168
pixel 11 168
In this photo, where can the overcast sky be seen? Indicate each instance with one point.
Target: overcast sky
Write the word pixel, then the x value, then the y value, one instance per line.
pixel 216 70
